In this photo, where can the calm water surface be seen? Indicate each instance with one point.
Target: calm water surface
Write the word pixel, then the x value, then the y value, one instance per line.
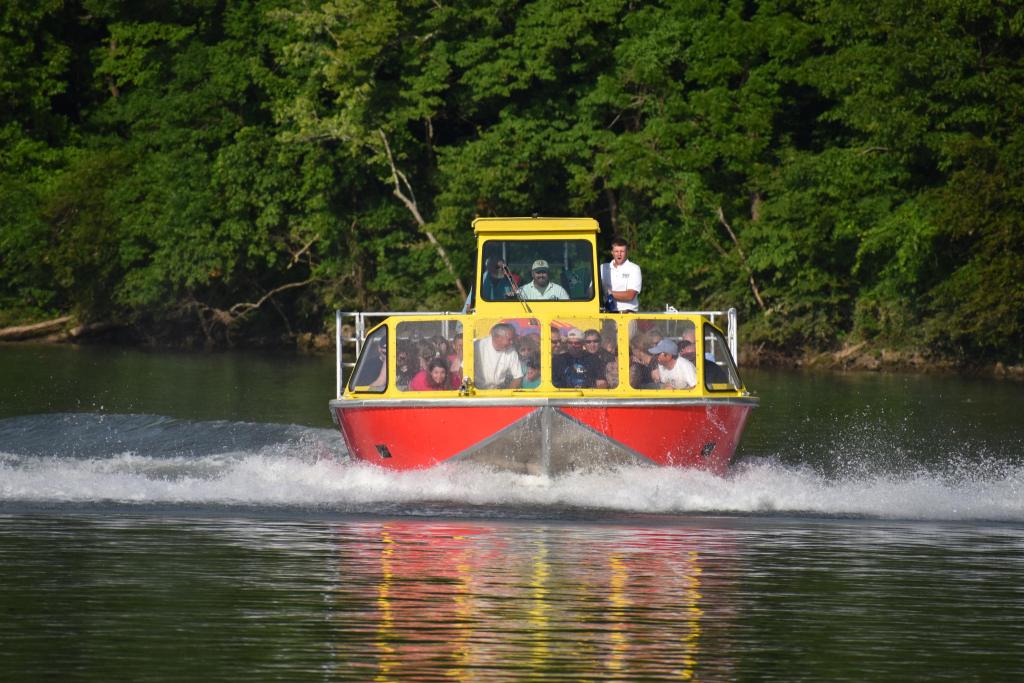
pixel 191 517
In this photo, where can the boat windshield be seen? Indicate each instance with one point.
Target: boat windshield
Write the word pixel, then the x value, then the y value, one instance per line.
pixel 371 371
pixel 553 270
pixel 719 369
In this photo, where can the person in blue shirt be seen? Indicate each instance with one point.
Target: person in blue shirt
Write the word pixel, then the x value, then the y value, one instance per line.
pixel 576 368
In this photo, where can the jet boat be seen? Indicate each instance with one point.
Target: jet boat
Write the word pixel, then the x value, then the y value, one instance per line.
pixel 536 379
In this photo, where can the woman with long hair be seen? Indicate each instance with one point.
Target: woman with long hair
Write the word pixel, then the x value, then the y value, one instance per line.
pixel 433 378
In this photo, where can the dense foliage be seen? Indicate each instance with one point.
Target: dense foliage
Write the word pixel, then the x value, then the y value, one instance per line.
pixel 232 170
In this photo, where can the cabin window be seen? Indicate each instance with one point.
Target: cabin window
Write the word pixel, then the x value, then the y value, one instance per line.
pixel 584 353
pixel 537 270
pixel 719 369
pixel 371 371
pixel 506 354
pixel 662 354
pixel 428 355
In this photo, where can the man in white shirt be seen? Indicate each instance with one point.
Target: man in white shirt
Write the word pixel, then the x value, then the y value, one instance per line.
pixel 621 279
pixel 673 372
pixel 495 361
pixel 541 288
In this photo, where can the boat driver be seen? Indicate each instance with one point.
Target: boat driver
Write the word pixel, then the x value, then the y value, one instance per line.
pixel 541 287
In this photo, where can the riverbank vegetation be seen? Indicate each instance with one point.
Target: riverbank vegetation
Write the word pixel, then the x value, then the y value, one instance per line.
pixel 849 175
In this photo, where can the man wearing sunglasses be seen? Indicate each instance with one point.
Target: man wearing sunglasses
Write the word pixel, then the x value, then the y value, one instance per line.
pixel 576 368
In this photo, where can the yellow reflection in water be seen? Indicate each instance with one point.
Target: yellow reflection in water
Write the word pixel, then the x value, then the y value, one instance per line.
pixel 386 627
pixel 692 614
pixel 620 603
pixel 465 609
pixel 450 603
pixel 539 606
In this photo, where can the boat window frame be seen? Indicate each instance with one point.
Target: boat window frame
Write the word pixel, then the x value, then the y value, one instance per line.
pixel 736 382
pixel 371 345
pixel 685 319
pixel 461 329
pixel 548 372
pixel 483 325
pixel 587 246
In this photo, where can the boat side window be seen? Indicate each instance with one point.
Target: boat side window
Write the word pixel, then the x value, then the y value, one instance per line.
pixel 506 353
pixel 662 353
pixel 719 369
pixel 429 355
pixel 509 265
pixel 371 371
pixel 584 353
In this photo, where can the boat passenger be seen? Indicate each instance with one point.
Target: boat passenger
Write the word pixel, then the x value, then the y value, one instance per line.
pixel 498 283
pixel 673 372
pixel 611 373
pixel 542 288
pixel 687 347
pixel 531 380
pixel 495 361
pixel 526 345
pixel 404 367
pixel 441 345
pixel 577 369
pixel 455 362
pixel 642 364
pixel 433 378
pixel 592 344
pixel 425 352
pixel 557 343
pixel 621 279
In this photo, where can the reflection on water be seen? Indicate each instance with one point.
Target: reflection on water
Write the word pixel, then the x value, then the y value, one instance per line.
pixel 470 598
pixel 98 598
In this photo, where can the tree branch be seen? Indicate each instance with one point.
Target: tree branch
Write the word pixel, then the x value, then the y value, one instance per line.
pixel 241 309
pixel 408 198
pixel 743 259
pixel 298 254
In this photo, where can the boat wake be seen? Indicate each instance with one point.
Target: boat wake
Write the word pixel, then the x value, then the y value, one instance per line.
pixel 143 459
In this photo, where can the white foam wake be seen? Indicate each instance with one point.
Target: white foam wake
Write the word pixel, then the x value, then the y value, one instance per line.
pixel 293 475
pixel 146 459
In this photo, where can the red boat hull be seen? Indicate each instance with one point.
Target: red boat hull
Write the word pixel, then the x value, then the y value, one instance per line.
pixel 543 436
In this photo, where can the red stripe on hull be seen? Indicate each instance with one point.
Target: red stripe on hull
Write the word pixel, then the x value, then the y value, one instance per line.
pixel 698 436
pixel 418 437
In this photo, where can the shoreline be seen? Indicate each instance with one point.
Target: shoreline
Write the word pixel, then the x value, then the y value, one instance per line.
pixel 860 357
pixel 864 358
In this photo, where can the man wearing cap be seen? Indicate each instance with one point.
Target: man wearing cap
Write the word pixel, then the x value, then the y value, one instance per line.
pixel 576 368
pixel 541 288
pixel 673 372
pixel 621 279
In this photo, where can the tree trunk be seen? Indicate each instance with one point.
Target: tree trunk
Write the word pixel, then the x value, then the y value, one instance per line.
pixel 20 332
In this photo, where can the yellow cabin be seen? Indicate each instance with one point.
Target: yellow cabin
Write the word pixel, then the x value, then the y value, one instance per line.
pixel 538 289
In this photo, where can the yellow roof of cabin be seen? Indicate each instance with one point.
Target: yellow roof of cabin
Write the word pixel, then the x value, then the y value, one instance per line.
pixel 528 225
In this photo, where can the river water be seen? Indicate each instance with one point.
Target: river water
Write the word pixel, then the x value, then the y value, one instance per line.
pixel 192 517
